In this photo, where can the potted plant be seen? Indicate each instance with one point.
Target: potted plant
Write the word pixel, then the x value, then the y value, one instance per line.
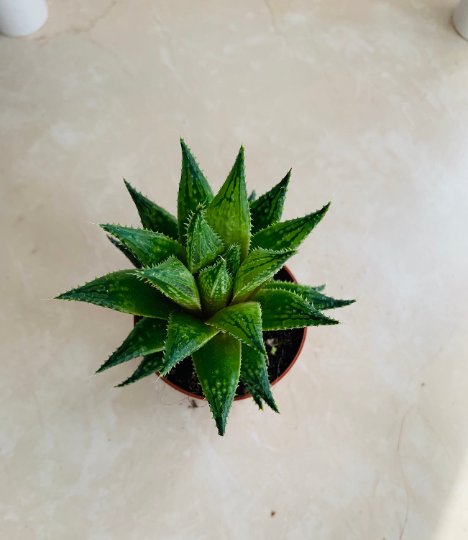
pixel 204 286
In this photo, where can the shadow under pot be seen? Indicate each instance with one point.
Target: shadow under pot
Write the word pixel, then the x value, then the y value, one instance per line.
pixel 283 349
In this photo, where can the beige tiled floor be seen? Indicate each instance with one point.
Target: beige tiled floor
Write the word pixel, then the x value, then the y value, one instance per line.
pixel 368 101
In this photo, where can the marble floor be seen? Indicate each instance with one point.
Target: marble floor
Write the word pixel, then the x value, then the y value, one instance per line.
pixel 368 102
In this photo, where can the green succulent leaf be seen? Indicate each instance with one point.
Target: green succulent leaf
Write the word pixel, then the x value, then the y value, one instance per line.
pixel 217 365
pixel 254 375
pixel 319 288
pixel 215 286
pixel 268 209
pixel 282 310
pixel 260 266
pixel 148 366
pixel 229 212
pixel 252 196
pixel 174 280
pixel 148 336
pixel 124 292
pixel 136 263
pixel 153 217
pixel 148 247
pixel 193 189
pixel 232 258
pixel 314 297
pixel 244 322
pixel 288 234
pixel 203 244
pixel 185 335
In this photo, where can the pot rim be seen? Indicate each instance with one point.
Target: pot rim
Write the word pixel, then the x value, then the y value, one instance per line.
pixel 246 396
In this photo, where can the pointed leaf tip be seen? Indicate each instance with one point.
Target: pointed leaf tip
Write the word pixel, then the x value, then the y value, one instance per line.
pixel 311 294
pixel 268 209
pixel 282 310
pixel 123 291
pixel 254 375
pixel 148 336
pixel 217 365
pixel 288 234
pixel 153 217
pixel 148 366
pixel 229 212
pixel 148 247
pixel 193 190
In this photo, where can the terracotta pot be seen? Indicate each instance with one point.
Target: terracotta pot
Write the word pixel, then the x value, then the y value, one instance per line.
pixel 245 396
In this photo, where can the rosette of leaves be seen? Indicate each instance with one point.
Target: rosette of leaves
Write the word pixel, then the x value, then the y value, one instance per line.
pixel 203 284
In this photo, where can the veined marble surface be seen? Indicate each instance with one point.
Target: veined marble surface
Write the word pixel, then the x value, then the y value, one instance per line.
pixel 368 102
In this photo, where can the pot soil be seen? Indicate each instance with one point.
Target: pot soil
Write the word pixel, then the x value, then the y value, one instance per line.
pixel 283 348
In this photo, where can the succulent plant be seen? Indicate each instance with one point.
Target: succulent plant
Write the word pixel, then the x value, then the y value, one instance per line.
pixel 203 284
